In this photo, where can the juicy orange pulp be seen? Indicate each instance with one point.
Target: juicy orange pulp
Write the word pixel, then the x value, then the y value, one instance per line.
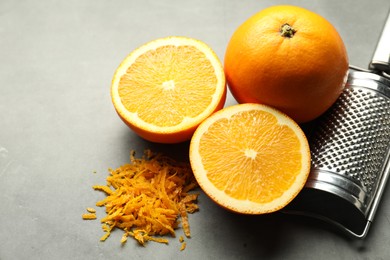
pixel 166 88
pixel 250 158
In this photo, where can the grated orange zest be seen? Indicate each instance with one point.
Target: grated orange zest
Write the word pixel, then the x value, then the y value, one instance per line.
pixel 89 216
pixel 91 210
pixel 146 198
pixel 183 246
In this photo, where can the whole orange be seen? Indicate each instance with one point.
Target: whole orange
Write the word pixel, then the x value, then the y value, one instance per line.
pixel 289 58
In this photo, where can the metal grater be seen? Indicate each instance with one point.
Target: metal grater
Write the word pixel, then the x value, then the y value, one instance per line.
pixel 350 149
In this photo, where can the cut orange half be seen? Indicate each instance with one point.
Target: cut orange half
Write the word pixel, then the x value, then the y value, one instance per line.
pixel 250 158
pixel 164 89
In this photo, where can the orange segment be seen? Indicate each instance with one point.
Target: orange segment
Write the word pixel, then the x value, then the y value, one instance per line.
pixel 166 88
pixel 250 158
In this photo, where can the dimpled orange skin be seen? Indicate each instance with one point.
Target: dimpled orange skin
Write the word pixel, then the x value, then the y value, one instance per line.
pixel 302 76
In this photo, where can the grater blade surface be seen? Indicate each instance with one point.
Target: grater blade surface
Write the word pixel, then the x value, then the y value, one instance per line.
pixel 350 152
pixel 352 139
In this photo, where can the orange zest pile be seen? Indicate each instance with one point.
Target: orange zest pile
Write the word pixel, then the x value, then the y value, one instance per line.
pixel 146 198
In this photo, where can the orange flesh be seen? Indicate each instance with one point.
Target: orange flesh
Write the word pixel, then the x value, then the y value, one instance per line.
pixel 172 75
pixel 244 178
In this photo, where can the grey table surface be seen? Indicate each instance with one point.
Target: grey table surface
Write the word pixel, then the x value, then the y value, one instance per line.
pixel 58 127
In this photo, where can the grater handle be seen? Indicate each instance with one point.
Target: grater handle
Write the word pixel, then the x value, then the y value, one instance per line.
pixel 381 59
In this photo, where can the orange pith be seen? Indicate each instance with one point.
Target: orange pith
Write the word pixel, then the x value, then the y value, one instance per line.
pixel 250 158
pixel 166 88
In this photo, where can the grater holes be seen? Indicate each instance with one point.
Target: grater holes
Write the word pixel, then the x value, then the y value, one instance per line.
pixel 357 125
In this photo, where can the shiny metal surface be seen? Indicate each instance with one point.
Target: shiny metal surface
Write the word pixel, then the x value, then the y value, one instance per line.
pixel 350 147
pixel 381 58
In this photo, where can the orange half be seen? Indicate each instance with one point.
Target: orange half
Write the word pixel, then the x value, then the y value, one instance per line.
pixel 167 87
pixel 250 158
